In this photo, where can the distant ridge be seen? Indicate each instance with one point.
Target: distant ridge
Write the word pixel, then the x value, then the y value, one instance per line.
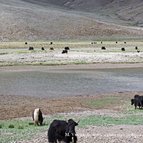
pixel 130 11
pixel 69 19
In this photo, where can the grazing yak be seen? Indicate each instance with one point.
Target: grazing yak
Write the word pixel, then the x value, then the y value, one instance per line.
pixel 67 48
pixel 37 117
pixel 136 48
pixel 123 49
pixel 31 48
pixel 61 130
pixel 42 48
pixel 51 43
pixel 64 51
pixel 52 49
pixel 137 101
pixel 103 48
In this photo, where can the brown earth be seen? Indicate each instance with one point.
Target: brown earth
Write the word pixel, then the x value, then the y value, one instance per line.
pixel 99 134
pixel 22 106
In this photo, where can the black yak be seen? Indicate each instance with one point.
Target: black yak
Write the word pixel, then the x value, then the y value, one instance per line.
pixel 64 51
pixel 51 48
pixel 31 48
pixel 122 49
pixel 67 48
pixel 42 48
pixel 61 130
pixel 137 101
pixel 103 48
pixel 51 43
pixel 136 48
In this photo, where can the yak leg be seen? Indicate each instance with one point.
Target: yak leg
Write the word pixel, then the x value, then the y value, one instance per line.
pixel 75 139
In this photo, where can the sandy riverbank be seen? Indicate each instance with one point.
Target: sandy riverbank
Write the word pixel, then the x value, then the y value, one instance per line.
pixel 70 58
pixel 20 68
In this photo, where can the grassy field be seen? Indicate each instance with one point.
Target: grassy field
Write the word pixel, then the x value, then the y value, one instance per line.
pixel 75 46
pixel 81 52
pixel 16 130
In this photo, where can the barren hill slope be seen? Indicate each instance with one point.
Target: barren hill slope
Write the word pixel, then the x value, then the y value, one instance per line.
pixel 53 20
pixel 129 11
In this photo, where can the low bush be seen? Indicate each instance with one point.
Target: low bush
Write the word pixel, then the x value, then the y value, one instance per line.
pixel 11 126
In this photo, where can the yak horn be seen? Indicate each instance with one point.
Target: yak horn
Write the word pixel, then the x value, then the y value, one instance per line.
pixel 78 121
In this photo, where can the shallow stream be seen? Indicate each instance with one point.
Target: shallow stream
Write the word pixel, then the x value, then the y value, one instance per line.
pixel 56 83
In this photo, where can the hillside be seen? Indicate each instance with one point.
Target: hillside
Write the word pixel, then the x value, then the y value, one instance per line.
pixel 59 20
pixel 129 11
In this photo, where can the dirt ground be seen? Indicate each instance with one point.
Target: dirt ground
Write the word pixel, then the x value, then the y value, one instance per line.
pixel 22 106
pixel 96 134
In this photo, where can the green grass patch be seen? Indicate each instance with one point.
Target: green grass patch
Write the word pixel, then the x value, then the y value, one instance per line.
pixel 106 120
pixel 17 130
pixel 102 102
pixel 0 126
pixel 26 130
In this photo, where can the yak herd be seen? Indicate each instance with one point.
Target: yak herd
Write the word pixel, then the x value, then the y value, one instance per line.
pixel 64 131
pixel 59 130
pixel 66 49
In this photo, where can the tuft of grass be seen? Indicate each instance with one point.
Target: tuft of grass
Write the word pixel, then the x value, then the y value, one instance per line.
pixel 23 129
pixel 30 123
pixel 20 127
pixel 11 126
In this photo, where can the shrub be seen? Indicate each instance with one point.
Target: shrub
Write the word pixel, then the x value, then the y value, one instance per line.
pixel 11 126
pixel 31 123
